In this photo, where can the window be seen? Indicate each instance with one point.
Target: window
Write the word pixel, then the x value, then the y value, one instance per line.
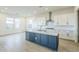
pixel 17 23
pixel 9 23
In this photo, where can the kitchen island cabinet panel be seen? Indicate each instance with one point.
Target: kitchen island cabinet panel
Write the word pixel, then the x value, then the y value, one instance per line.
pixel 53 42
pixel 31 36
pixel 44 39
pixel 49 41
pixel 37 38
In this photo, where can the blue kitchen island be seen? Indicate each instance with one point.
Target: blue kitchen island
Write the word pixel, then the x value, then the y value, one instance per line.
pixel 47 39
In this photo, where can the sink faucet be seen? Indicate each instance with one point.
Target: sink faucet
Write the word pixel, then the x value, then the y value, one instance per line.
pixel 41 26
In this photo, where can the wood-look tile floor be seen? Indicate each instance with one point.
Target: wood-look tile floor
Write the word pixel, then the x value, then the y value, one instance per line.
pixel 17 43
pixel 68 46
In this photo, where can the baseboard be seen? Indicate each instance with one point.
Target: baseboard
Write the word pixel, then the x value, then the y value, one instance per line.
pixel 67 39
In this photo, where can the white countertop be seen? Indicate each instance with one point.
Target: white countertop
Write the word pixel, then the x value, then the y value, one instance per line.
pixel 47 32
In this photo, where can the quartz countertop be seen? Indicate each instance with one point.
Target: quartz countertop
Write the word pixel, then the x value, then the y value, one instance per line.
pixel 47 32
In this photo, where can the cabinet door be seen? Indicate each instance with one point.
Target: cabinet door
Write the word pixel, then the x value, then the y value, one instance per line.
pixel 37 38
pixel 44 39
pixel 27 35
pixel 32 36
pixel 53 42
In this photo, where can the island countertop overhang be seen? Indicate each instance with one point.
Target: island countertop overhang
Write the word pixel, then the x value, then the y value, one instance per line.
pixel 47 32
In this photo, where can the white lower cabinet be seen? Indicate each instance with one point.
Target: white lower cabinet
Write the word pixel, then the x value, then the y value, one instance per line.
pixel 68 36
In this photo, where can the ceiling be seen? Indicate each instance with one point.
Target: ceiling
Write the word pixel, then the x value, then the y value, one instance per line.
pixel 29 10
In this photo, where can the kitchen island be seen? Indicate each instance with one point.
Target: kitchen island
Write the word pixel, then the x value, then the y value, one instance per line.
pixel 45 38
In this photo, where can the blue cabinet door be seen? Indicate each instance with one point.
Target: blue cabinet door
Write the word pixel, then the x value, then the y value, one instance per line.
pixel 27 35
pixel 44 40
pixel 53 42
pixel 31 36
pixel 37 38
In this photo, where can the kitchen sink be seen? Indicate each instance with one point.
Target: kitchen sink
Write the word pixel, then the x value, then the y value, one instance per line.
pixel 42 30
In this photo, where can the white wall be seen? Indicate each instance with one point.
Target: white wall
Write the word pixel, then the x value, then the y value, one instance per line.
pixel 3 25
pixel 76 14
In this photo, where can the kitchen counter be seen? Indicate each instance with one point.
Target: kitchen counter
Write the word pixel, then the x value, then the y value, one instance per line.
pixel 48 38
pixel 47 32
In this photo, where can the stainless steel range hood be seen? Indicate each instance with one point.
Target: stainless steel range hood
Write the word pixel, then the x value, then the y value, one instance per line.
pixel 50 18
